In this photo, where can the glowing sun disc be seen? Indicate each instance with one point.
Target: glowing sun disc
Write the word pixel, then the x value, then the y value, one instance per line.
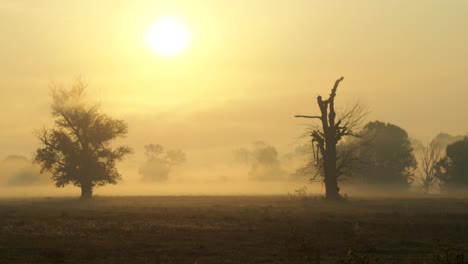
pixel 168 37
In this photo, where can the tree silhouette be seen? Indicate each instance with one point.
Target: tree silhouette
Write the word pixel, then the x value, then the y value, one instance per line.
pixel 159 164
pixel 388 159
pixel 452 170
pixel 326 138
pixel 263 161
pixel 78 149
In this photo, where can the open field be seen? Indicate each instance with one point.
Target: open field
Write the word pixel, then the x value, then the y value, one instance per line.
pixel 204 229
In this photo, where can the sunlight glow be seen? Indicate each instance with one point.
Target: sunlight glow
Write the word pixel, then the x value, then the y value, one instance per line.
pixel 168 37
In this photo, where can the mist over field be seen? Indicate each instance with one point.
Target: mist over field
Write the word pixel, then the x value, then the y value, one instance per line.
pixel 258 168
pixel 243 172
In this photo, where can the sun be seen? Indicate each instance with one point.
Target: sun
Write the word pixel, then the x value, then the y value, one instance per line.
pixel 168 37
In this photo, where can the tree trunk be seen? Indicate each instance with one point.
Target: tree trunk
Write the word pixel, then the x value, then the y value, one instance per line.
pixel 332 191
pixel 86 191
pixel 326 141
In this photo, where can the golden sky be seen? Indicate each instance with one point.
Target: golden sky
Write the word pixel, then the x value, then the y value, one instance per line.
pixel 251 65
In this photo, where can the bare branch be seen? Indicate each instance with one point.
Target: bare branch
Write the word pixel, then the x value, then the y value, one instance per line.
pixel 350 120
pixel 304 116
pixel 335 87
pixel 431 156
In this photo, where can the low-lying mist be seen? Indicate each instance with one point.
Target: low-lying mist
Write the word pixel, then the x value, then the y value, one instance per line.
pixel 259 168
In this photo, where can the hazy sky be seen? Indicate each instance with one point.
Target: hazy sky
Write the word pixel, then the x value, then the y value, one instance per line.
pixel 251 65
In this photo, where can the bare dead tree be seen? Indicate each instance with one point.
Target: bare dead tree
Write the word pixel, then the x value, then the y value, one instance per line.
pixel 432 154
pixel 326 136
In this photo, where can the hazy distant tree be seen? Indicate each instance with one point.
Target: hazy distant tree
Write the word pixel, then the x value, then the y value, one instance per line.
pixel 78 149
pixel 20 171
pixel 326 137
pixel 266 165
pixel 159 163
pixel 263 161
pixel 418 146
pixel 444 139
pixel 453 169
pixel 388 159
pixel 431 155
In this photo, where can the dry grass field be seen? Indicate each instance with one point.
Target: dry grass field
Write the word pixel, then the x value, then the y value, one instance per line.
pixel 204 229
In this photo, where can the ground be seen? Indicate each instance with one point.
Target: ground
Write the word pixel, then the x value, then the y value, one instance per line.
pixel 280 229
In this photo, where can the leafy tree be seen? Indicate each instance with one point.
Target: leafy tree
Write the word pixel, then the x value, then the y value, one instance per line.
pixel 159 163
pixel 453 169
pixel 326 137
pixel 263 161
pixel 78 149
pixel 388 159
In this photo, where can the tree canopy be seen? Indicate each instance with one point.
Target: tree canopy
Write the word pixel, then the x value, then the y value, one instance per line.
pixel 263 160
pixel 78 149
pixel 388 158
pixel 159 164
pixel 453 169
